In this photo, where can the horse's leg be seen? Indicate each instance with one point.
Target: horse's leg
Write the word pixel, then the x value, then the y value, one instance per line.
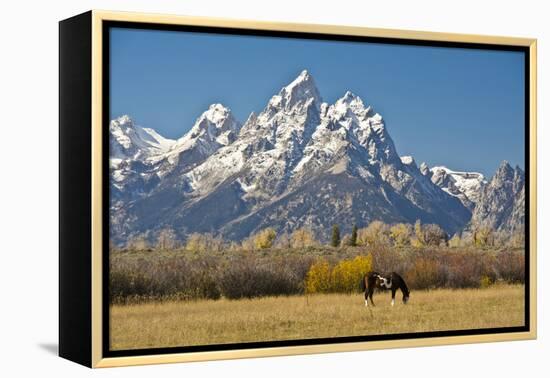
pixel 366 297
pixel 393 290
pixel 371 292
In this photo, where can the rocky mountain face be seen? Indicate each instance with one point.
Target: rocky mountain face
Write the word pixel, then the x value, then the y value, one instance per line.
pixel 466 186
pixel 300 162
pixel 501 204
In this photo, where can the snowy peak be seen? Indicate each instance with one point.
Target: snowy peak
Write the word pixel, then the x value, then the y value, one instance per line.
pixel 131 141
pixel 508 177
pixel 408 160
pixel 301 91
pixel 216 120
pixel 502 202
pixel 466 186
pixel 505 171
pixel 214 128
pixel 352 102
pixel 425 169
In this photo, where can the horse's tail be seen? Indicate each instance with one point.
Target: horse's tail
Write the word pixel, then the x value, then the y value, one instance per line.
pixel 364 283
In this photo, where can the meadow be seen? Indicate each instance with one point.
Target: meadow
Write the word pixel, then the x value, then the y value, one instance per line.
pixel 162 297
pixel 150 324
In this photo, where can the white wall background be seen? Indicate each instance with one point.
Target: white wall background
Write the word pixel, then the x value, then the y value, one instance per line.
pixel 28 190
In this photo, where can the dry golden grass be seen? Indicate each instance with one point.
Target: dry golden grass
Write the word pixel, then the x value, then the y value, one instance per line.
pixel 166 324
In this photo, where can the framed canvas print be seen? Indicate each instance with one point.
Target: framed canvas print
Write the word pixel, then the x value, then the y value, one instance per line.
pixel 235 189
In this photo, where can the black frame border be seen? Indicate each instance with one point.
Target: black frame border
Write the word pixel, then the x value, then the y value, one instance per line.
pixel 105 75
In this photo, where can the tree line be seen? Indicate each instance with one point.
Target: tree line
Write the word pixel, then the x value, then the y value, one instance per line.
pixel 375 233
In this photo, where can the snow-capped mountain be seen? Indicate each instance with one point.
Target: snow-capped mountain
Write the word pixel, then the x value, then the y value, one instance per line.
pixel 133 150
pixel 501 205
pixel 300 162
pixel 466 186
pixel 140 157
pixel 129 141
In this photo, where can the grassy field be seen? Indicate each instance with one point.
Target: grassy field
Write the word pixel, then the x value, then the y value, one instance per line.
pixel 184 323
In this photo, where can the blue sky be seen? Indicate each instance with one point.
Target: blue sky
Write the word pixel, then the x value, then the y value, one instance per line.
pixel 461 108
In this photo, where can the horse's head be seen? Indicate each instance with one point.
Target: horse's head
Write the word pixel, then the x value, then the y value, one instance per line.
pixel 406 298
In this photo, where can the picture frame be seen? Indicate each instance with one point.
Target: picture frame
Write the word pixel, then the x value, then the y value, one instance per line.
pixel 84 229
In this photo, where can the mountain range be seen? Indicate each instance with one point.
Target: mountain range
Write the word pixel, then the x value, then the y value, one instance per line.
pixel 300 162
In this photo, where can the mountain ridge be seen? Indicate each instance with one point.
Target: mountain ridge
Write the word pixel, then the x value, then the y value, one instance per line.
pixel 278 169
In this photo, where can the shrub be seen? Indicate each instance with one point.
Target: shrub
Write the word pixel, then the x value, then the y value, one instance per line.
pixel 424 274
pixel 139 276
pixel 510 266
pixel 348 273
pixel 145 279
pixel 344 277
pixel 485 282
pixel 386 259
pixel 318 278
pixel 247 276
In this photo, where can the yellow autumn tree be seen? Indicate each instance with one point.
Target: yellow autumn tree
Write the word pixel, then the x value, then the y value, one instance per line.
pixel 347 274
pixel 483 236
pixel 376 233
pixel 344 277
pixel 318 278
pixel 265 238
pixel 302 238
pixel 400 234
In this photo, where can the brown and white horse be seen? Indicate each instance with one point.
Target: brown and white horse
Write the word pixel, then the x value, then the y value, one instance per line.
pixel 384 281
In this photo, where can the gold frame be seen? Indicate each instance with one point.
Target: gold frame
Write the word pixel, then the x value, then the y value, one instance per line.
pixel 99 16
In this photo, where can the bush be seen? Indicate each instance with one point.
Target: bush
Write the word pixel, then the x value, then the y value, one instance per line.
pixel 386 259
pixel 139 279
pixel 344 277
pixel 424 274
pixel 348 273
pixel 318 278
pixel 485 282
pixel 244 278
pixel 139 276
pixel 510 266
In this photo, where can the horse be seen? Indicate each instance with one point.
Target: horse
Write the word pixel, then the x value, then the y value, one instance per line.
pixel 386 281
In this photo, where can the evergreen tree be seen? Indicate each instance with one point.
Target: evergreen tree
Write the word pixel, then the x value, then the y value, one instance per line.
pixel 335 236
pixel 353 241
